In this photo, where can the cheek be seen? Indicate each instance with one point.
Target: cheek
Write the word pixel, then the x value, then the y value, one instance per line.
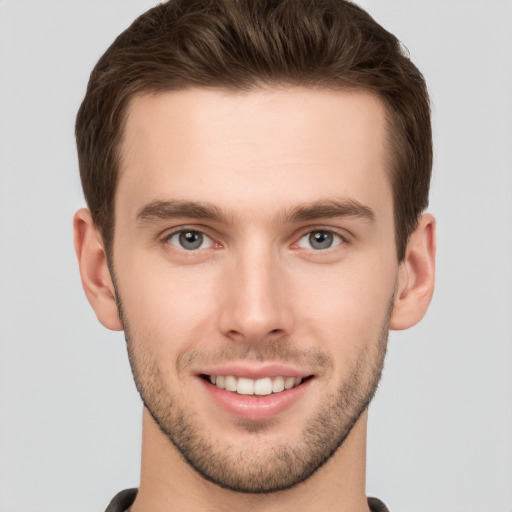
pixel 347 306
pixel 167 305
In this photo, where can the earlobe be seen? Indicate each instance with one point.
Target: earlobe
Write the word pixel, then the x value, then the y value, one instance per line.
pixel 94 271
pixel 416 276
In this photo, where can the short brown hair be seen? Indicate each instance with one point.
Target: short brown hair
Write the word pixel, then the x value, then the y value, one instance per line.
pixel 242 44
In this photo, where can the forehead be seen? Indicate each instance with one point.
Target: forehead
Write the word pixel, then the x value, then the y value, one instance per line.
pixel 263 147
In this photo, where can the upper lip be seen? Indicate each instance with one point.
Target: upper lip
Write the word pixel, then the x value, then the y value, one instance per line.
pixel 255 371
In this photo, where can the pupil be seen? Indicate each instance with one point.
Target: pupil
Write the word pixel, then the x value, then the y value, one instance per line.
pixel 191 240
pixel 321 239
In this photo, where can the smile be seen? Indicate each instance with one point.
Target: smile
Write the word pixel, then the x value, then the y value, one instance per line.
pixel 261 387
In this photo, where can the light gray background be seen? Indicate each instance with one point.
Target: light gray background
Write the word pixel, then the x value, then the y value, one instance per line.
pixel 440 436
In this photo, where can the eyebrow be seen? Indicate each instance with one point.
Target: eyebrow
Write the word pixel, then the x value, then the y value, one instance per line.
pixel 329 209
pixel 165 210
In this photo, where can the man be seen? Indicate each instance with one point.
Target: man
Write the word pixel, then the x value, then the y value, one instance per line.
pixel 256 174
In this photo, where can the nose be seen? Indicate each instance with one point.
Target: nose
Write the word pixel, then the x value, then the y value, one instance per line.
pixel 255 304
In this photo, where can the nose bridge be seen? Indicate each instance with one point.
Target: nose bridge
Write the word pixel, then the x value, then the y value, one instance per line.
pixel 255 303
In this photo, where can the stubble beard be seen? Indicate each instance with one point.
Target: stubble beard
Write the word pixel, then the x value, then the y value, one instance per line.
pixel 260 469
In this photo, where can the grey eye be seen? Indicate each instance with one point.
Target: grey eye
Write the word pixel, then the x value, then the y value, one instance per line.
pixel 320 240
pixel 190 240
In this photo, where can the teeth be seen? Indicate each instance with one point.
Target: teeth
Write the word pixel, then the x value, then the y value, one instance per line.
pixel 261 387
pixel 289 383
pixel 230 383
pixel 244 386
pixel 278 384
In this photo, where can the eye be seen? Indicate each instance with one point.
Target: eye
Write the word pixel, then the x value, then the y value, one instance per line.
pixel 320 240
pixel 190 240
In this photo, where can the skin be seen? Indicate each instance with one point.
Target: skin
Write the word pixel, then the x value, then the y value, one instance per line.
pixel 270 163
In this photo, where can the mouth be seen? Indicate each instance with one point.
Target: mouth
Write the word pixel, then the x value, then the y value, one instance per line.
pixel 256 392
pixel 259 387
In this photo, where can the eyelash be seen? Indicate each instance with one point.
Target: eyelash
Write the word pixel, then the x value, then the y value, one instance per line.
pixel 335 234
pixel 168 236
pixel 332 233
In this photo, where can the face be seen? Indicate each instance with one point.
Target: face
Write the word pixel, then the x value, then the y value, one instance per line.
pixel 255 267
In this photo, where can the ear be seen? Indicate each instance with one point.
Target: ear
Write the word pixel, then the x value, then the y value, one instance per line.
pixel 416 276
pixel 94 272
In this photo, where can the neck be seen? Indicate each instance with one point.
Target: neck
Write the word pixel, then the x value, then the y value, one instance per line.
pixel 169 484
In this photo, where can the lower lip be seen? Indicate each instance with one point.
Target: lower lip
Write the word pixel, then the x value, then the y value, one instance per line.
pixel 254 407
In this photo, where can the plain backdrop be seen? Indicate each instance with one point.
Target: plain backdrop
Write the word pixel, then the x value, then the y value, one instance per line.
pixel 440 437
